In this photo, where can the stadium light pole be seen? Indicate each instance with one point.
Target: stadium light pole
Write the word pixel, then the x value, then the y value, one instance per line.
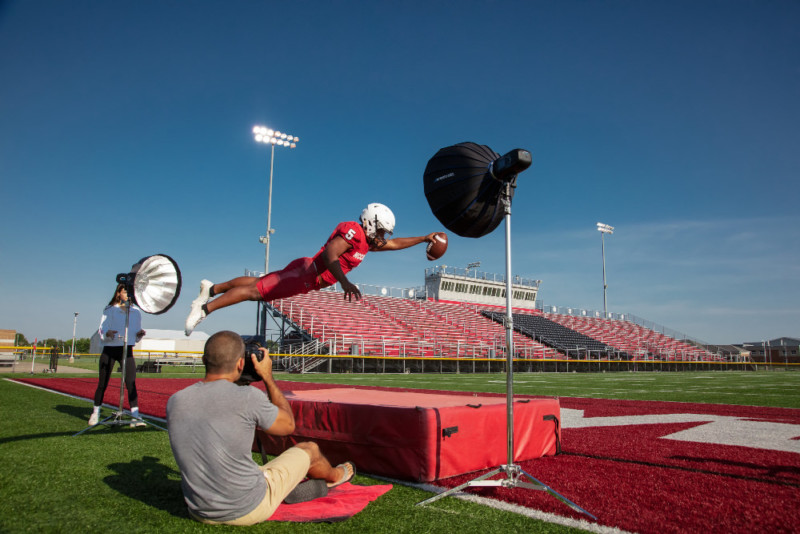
pixel 262 134
pixel 473 265
pixel 74 327
pixel 604 229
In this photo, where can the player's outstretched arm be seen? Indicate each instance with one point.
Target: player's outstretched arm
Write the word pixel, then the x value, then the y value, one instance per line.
pixel 399 243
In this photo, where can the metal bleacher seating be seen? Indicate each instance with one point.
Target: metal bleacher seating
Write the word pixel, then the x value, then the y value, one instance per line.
pixel 392 327
pixel 398 327
pixel 552 334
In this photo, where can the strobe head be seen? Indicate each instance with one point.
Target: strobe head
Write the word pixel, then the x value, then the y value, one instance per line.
pixel 153 284
pixel 465 184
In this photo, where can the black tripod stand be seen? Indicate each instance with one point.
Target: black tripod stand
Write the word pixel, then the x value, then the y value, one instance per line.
pixel 513 475
pixel 119 417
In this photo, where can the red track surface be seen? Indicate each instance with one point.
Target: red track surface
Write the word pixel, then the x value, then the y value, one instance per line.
pixel 631 476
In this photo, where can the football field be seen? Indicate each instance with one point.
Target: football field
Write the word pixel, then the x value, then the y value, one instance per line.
pixel 644 452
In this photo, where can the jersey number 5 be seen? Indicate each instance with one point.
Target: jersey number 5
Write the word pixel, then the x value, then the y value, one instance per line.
pixel 350 234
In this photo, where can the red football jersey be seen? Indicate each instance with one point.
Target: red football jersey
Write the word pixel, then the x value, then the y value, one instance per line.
pixel 353 233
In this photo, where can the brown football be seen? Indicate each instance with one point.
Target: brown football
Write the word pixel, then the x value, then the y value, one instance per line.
pixel 437 249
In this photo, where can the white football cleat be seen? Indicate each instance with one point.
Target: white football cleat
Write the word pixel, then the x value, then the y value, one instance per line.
pixel 205 292
pixel 195 317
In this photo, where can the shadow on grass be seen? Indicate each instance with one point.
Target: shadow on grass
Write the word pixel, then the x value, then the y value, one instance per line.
pixel 149 481
pixel 79 412
pixel 43 435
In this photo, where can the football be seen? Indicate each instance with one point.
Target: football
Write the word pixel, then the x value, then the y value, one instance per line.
pixel 437 249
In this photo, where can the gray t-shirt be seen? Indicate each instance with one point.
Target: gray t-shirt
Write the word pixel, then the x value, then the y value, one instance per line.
pixel 211 427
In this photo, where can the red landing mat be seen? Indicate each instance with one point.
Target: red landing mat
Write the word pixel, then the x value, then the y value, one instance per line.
pixel 400 434
pixel 418 436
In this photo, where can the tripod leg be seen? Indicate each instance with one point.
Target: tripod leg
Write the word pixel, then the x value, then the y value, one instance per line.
pixel 542 486
pixel 473 482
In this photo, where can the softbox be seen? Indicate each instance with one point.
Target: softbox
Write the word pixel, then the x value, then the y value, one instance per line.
pixel 154 283
pixel 464 182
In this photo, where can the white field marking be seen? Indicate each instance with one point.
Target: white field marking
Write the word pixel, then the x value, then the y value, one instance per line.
pixel 514 508
pixel 718 430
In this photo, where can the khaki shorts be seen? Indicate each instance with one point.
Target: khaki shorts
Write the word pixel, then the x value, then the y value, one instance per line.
pixel 282 475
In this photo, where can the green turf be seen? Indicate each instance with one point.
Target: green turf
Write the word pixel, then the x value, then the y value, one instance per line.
pixel 126 479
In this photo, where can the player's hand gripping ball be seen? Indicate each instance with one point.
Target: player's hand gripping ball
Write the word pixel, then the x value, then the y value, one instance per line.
pixel 438 247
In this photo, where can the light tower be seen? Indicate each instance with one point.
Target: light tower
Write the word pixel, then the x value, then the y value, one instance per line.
pixel 604 229
pixel 262 134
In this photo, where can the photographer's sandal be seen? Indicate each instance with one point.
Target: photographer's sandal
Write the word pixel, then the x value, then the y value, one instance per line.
pixel 349 472
pixel 307 490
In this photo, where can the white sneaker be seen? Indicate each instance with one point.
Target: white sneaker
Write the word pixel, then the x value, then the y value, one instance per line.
pixel 138 422
pixel 94 419
pixel 195 316
pixel 205 292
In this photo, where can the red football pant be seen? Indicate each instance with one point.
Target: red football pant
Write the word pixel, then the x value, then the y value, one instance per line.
pixel 297 278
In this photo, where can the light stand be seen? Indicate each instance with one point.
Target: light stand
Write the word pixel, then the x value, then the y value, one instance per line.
pixel 153 284
pixel 513 475
pixel 119 417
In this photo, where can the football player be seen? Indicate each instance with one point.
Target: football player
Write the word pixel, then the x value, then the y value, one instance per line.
pixel 344 251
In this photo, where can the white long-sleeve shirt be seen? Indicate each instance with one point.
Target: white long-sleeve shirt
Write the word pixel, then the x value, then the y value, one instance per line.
pixel 114 319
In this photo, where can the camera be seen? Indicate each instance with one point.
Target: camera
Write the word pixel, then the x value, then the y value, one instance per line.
pixel 252 344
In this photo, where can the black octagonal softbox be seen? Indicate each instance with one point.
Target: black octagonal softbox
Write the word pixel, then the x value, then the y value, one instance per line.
pixel 464 185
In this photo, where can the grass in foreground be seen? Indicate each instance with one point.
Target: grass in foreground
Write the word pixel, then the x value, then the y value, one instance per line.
pixel 126 479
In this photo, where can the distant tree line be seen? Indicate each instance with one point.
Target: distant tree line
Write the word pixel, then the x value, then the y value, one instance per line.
pixel 64 346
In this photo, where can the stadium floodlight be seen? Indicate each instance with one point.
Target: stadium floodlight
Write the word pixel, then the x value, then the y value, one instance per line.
pixel 604 229
pixel 473 265
pixel 265 135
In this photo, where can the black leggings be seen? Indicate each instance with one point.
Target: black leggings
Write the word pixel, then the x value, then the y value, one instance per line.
pixel 108 358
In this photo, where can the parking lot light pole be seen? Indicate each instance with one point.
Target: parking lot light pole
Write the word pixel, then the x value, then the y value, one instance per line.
pixel 74 326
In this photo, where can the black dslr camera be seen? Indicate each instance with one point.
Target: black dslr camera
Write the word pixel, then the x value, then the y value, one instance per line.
pixel 251 346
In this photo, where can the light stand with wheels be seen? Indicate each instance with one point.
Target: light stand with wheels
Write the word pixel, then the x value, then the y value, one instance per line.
pixel 154 285
pixel 459 168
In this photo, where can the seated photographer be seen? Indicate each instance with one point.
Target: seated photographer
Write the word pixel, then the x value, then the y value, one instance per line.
pixel 211 426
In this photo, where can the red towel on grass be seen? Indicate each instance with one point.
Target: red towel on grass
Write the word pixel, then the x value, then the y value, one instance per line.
pixel 342 502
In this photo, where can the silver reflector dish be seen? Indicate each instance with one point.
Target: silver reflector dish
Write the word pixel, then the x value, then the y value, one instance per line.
pixel 156 283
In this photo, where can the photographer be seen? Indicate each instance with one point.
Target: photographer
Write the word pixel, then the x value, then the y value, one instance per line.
pixel 211 426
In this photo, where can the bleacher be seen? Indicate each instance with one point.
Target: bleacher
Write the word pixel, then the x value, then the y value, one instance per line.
pixel 635 340
pixel 566 340
pixel 399 327
pixel 392 327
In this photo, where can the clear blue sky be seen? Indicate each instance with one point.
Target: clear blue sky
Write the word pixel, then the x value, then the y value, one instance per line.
pixel 125 131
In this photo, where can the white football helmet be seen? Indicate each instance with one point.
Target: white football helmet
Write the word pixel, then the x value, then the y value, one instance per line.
pixel 377 217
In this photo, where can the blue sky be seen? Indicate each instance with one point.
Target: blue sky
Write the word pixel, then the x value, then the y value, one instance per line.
pixel 125 131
